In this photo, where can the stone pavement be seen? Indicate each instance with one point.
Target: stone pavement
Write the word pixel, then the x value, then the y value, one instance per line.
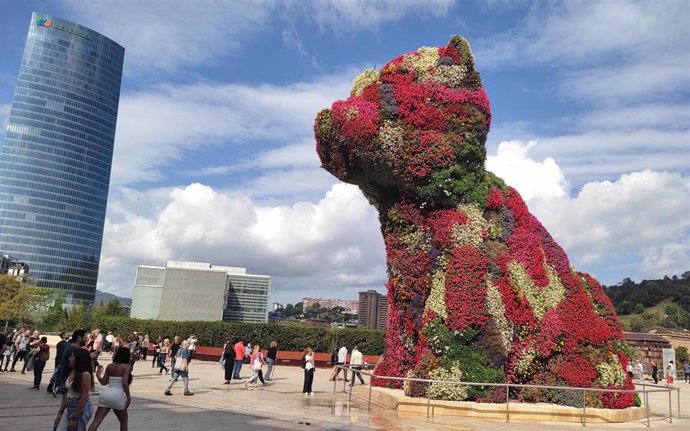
pixel 278 406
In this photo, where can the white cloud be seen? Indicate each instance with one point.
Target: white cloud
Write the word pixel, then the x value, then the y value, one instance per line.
pixel 327 245
pixel 188 33
pixel 533 179
pixel 182 32
pixel 157 127
pixel 641 221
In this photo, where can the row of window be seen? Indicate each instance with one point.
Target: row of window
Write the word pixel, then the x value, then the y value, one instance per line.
pixel 108 76
pixel 64 112
pixel 58 182
pixel 68 147
pixel 97 103
pixel 54 216
pixel 51 130
pixel 40 167
pixel 50 231
pixel 36 151
pixel 44 54
pixel 31 240
pixel 63 120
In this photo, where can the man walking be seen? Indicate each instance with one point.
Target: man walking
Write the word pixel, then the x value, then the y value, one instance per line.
pixel 342 358
pixel 356 362
pixel 239 357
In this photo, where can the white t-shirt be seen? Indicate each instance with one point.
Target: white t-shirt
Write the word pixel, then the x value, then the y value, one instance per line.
pixel 308 365
pixel 342 355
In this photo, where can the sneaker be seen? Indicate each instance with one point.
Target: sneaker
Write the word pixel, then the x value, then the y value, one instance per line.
pixel 189 394
pixel 306 394
pixel 311 393
pixel 168 393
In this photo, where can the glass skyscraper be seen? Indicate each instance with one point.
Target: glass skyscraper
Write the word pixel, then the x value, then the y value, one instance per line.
pixel 56 155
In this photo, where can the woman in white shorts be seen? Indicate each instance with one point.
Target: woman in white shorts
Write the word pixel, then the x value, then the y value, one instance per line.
pixel 117 377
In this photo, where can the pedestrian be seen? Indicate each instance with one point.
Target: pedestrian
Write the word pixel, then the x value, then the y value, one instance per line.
pixel 341 359
pixel 7 353
pixel 116 378
pixel 156 351
pixel 163 356
pixel 239 358
pixel 356 362
pixel 309 369
pixel 144 348
pixel 77 341
pixel 228 359
pixel 257 363
pixel 76 409
pixel 271 356
pixel 686 372
pixel 181 369
pixel 173 350
pixel 193 341
pixel 655 372
pixel 670 373
pixel 21 347
pixel 640 370
pixel 40 358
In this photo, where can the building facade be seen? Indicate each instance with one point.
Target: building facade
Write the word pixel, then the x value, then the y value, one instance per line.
pixel 648 346
pixel 56 154
pixel 677 337
pixel 200 291
pixel 373 310
pixel 350 306
pixel 12 267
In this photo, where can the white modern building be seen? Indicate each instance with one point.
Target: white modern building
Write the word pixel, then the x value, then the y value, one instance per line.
pixel 200 291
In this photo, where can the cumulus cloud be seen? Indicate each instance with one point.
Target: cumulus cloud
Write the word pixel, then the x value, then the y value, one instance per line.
pixel 533 179
pixel 324 245
pixel 639 221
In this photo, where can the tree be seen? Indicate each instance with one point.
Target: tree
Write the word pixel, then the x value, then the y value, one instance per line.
pixel 17 299
pixel 682 355
pixel 115 308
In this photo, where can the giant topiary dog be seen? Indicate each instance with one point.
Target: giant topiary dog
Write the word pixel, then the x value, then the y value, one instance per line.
pixel 478 290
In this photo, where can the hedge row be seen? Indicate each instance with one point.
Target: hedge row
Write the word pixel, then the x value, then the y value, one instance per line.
pixel 215 334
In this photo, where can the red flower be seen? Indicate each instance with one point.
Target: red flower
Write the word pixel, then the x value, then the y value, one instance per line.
pixel 466 289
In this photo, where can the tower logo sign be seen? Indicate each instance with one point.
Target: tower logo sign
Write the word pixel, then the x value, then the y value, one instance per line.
pixel 47 22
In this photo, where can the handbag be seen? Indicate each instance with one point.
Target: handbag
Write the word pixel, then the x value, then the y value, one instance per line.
pixel 181 364
pixel 257 364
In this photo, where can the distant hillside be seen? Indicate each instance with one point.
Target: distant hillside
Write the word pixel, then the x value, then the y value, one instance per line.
pixel 653 303
pixel 105 297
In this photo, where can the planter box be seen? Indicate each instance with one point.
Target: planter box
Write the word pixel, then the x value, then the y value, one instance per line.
pixel 407 406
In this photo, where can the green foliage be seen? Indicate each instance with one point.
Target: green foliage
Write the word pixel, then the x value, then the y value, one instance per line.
pixel 18 300
pixel 460 350
pixel 652 303
pixel 289 337
pixel 682 355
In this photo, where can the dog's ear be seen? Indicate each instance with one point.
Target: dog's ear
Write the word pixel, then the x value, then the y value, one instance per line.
pixel 458 44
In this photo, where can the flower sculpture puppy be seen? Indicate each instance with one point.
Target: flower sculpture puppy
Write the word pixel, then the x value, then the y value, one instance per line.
pixel 478 290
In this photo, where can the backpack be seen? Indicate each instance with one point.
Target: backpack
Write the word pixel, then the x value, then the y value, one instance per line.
pixel 334 358
pixel 304 361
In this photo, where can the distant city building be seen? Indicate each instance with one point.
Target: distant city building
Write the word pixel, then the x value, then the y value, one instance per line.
pixel 350 306
pixel 200 291
pixel 373 310
pixel 276 306
pixel 56 155
pixel 12 267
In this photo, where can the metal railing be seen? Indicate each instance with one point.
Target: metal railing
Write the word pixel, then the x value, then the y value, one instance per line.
pixel 644 391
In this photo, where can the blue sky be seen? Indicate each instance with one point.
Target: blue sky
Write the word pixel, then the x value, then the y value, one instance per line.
pixel 214 154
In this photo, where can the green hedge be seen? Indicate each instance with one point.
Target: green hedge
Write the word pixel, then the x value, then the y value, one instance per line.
pixel 215 334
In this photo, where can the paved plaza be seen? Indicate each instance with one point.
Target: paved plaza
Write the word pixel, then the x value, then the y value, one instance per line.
pixel 278 406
